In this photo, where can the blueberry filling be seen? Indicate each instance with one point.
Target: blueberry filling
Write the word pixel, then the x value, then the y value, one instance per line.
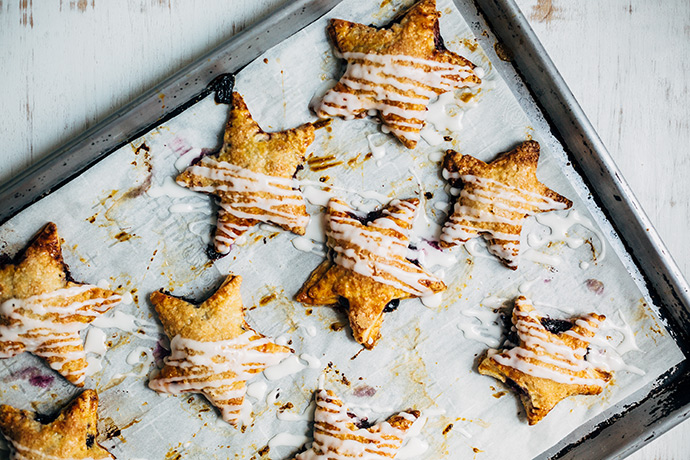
pixel 556 326
pixel 391 306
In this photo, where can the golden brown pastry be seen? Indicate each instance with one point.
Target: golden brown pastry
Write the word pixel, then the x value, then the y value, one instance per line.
pixel 72 435
pixel 549 363
pixel 42 310
pixel 252 176
pixel 395 71
pixel 213 350
pixel 338 436
pixel 369 268
pixel 495 198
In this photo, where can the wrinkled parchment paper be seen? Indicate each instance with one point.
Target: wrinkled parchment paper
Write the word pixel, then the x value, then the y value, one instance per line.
pixel 118 226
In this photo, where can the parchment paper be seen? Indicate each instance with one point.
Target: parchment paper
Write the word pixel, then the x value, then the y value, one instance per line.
pixel 115 230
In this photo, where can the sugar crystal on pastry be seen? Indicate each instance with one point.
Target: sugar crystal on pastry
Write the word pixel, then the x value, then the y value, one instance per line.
pixel 369 267
pixel 43 311
pixel 213 350
pixel 337 436
pixel 395 71
pixel 70 436
pixel 496 198
pixel 547 367
pixel 252 176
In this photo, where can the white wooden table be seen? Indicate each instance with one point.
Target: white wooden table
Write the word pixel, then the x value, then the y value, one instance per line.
pixel 65 65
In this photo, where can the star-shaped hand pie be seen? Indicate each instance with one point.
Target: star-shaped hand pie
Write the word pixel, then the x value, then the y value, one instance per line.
pixel 339 434
pixel 495 198
pixel 212 349
pixel 252 175
pixel 42 310
pixel 369 267
pixel 395 71
pixel 72 435
pixel 549 364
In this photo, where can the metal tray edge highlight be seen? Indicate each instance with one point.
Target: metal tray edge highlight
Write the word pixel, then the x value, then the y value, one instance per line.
pixel 667 404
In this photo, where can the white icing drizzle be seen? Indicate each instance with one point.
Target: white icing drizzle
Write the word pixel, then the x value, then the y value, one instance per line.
pixel 135 358
pixel 287 439
pixel 335 440
pixel 606 354
pixel 316 196
pixel 428 256
pixel 48 325
pixel 559 226
pixel 310 329
pixel 475 248
pixel 379 256
pixel 95 341
pixel 248 197
pixel 186 158
pixel 526 286
pixel 202 229
pixel 289 366
pixel 378 151
pixel 95 348
pixel 441 119
pixel 433 138
pixel 413 446
pixel 432 301
pixel 541 258
pixel 217 369
pixel 169 188
pixel 305 244
pixel 535 349
pixel 257 390
pixel 488 331
pixel 508 206
pixel 129 323
pixel 398 87
pixel 245 416
pixel 312 361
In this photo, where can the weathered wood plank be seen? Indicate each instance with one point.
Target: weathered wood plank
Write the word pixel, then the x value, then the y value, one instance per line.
pixel 625 61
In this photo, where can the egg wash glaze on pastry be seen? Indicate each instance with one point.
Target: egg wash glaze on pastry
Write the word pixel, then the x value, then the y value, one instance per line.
pixel 270 195
pixel 217 368
pixel 512 202
pixel 56 337
pixel 378 245
pixel 399 85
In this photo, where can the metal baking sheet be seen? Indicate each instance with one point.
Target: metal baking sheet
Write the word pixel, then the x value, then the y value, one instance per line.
pixel 647 412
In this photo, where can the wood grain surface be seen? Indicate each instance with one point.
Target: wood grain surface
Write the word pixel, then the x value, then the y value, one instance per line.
pixel 66 64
